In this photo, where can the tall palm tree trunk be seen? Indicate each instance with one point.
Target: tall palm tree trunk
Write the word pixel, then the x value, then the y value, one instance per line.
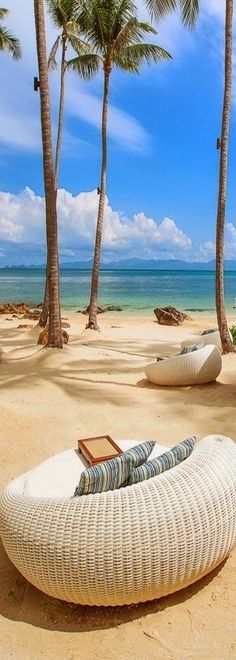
pixel 44 313
pixel 227 345
pixel 43 319
pixel 61 110
pixel 92 320
pixel 54 333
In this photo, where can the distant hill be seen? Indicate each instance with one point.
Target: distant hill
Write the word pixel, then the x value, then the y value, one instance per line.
pixel 135 263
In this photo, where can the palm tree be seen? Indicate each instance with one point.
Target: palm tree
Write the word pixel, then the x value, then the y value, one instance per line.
pixel 227 344
pixel 116 37
pixel 63 14
pixel 7 41
pixel 54 332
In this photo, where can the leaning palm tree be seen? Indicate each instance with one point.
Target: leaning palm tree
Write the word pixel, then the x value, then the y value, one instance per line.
pixel 54 331
pixel 227 344
pixel 7 41
pixel 116 36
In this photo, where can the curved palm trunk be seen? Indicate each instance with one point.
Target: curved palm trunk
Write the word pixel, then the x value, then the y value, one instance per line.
pixel 54 333
pixel 92 321
pixel 44 314
pixel 227 345
pixel 61 110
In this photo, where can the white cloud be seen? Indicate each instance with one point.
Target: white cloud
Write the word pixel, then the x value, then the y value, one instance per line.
pixel 22 221
pixel 19 105
pixel 19 112
pixel 122 128
pixel 207 249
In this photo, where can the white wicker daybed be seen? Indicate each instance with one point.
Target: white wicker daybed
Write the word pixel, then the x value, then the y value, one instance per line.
pixel 124 546
pixel 210 338
pixel 201 366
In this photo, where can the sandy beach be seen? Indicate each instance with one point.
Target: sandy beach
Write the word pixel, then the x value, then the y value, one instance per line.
pixel 96 385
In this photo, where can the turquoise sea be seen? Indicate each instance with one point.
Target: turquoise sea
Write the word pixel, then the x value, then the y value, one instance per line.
pixel 136 292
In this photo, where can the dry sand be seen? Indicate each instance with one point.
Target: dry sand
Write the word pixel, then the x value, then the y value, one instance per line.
pixel 96 385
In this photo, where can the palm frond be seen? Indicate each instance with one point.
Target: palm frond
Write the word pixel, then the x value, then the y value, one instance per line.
pixel 10 43
pixel 92 19
pixel 52 63
pixel 78 44
pixel 3 13
pixel 62 11
pixel 123 14
pixel 135 55
pixel 132 31
pixel 161 8
pixel 189 11
pixel 86 65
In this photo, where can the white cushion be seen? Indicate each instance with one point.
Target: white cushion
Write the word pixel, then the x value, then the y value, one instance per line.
pixel 59 475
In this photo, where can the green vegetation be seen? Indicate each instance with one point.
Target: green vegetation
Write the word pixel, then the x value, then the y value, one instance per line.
pixel 233 333
pixel 7 41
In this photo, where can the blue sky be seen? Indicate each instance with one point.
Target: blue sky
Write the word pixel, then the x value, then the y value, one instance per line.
pixel 163 162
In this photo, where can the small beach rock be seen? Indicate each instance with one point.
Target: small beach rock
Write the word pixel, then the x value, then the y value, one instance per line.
pixel 43 337
pixel 102 310
pixel 14 308
pixel 32 315
pixel 65 324
pixel 65 337
pixel 170 316
pixel 24 325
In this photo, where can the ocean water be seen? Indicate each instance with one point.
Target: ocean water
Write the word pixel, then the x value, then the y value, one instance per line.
pixel 137 292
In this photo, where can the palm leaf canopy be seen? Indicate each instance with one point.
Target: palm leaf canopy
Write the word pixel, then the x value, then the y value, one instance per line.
pixel 7 40
pixel 189 9
pixel 62 13
pixel 10 43
pixel 115 34
pixel 3 13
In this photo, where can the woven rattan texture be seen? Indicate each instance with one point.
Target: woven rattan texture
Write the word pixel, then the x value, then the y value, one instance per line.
pixel 130 545
pixel 202 366
pixel 211 338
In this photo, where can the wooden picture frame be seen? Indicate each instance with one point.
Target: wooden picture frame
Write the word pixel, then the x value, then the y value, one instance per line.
pixel 98 449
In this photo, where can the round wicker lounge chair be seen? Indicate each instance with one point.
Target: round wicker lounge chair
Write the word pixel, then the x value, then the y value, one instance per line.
pixel 201 366
pixel 211 338
pixel 124 546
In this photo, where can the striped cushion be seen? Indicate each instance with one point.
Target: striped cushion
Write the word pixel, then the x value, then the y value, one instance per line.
pixel 191 349
pixel 113 473
pixel 164 462
pixel 105 476
pixel 140 453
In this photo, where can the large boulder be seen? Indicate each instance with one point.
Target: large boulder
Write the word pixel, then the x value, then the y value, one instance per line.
pixel 170 316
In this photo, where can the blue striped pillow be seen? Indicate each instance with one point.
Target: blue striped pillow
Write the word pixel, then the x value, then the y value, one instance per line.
pixel 113 473
pixel 164 462
pixel 105 476
pixel 140 453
